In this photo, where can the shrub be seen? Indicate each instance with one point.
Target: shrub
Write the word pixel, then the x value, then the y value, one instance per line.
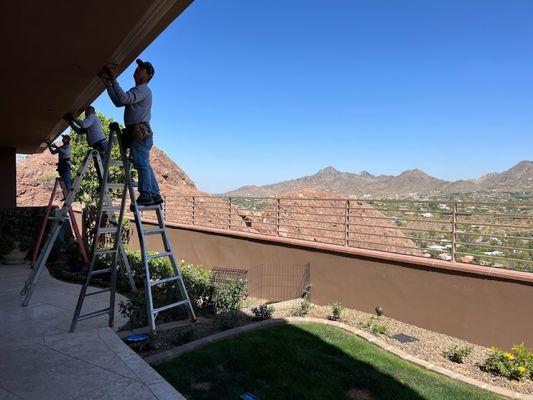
pixel 303 309
pixel 135 309
pixel 264 311
pixel 227 296
pixel 458 353
pixel 229 319
pixel 336 311
pixel 516 365
pixel 379 329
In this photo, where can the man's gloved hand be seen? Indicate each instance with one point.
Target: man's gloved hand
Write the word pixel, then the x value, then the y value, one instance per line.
pixel 68 117
pixel 48 142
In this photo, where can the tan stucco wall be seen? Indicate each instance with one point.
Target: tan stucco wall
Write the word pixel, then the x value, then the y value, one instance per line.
pixel 484 310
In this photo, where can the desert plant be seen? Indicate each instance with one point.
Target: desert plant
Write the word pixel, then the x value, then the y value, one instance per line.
pixel 517 365
pixel 457 353
pixel 302 309
pixel 379 329
pixel 264 311
pixel 337 309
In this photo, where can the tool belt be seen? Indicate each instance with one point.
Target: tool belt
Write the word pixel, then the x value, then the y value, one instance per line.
pixel 136 132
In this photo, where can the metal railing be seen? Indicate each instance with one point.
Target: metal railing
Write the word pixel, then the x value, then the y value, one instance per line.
pixel 494 234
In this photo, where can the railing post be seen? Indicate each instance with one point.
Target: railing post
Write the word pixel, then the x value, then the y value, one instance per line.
pixel 193 210
pixel 277 216
pixel 229 213
pixel 347 223
pixel 454 230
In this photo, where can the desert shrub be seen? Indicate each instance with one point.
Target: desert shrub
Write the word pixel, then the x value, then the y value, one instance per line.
pixel 227 296
pixel 264 311
pixel 379 329
pixel 458 353
pixel 336 311
pixel 517 365
pixel 135 309
pixel 302 309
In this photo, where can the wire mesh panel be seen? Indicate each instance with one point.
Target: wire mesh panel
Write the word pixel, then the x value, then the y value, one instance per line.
pixel 279 282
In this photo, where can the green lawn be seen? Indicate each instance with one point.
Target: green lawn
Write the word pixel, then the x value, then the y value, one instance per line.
pixel 306 361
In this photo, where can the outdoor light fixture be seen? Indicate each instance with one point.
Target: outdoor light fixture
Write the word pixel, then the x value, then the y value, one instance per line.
pixel 379 311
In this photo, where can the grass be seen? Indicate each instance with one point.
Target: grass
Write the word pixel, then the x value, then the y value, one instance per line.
pixel 307 361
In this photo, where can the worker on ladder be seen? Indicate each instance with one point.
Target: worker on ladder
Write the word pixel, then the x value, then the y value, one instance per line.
pixel 92 127
pixel 137 103
pixel 63 164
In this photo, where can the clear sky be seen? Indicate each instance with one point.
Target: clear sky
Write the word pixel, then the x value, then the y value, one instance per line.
pixel 255 92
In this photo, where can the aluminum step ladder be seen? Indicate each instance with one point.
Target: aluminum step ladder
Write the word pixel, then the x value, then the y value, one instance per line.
pixel 127 188
pixel 63 216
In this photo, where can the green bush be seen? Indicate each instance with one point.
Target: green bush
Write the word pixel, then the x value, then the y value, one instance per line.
pixel 517 365
pixel 135 309
pixel 303 309
pixel 336 311
pixel 264 311
pixel 8 242
pixel 379 329
pixel 227 296
pixel 458 353
pixel 205 295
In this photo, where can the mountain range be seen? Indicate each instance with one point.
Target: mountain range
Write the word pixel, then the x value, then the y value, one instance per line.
pixel 518 178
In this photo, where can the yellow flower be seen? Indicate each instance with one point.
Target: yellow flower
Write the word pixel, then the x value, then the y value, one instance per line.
pixel 509 356
pixel 521 369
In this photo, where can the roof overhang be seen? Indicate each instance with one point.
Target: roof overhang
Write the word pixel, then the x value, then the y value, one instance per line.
pixel 53 51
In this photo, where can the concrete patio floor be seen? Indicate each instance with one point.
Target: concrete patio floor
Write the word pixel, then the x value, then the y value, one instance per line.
pixel 39 359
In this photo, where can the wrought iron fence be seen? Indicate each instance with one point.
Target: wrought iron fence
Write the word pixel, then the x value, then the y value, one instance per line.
pixel 494 234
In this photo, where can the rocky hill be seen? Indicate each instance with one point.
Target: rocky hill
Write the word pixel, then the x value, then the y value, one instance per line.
pixel 36 175
pixel 516 179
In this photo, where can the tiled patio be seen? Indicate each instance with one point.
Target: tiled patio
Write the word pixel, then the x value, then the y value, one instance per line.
pixel 39 359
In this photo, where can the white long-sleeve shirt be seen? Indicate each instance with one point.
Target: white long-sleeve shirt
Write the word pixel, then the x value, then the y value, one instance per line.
pixel 92 125
pixel 137 102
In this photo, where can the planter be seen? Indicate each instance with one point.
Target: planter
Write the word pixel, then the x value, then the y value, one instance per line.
pixel 15 256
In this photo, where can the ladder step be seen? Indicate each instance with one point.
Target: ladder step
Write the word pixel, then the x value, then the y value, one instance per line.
pixel 94 314
pixel 179 303
pixel 112 229
pixel 158 255
pixel 115 163
pixel 153 231
pixel 147 208
pixel 161 281
pixel 105 251
pixel 110 208
pixel 115 185
pixel 101 271
pixel 98 292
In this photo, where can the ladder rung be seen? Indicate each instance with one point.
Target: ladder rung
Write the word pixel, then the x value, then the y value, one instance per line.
pixel 101 271
pixel 115 163
pixel 115 185
pixel 112 229
pixel 98 292
pixel 110 208
pixel 158 255
pixel 161 281
pixel 147 208
pixel 153 231
pixel 94 314
pixel 179 303
pixel 105 251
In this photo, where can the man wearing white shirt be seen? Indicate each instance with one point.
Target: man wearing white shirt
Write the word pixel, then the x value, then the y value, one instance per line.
pixel 137 103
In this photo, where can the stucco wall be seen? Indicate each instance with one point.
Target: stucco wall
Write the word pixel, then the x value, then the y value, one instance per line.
pixel 482 309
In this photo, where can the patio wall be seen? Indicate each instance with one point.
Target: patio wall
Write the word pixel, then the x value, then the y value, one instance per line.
pixel 462 301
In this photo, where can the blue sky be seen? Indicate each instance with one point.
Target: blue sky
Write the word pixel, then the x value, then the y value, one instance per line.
pixel 255 92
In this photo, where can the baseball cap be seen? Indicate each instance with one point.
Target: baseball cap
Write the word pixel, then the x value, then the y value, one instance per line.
pixel 146 65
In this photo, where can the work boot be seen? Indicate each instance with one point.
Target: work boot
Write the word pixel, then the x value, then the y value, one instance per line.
pixel 142 202
pixel 157 199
